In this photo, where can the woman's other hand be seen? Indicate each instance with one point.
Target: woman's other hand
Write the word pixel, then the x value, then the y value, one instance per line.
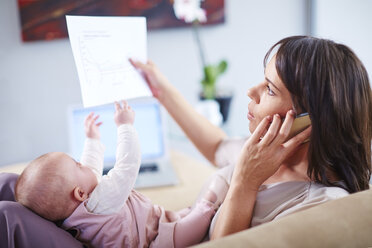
pixel 261 156
pixel 265 151
pixel 154 78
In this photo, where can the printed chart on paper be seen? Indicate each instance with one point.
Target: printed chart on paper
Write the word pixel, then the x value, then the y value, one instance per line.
pixel 102 47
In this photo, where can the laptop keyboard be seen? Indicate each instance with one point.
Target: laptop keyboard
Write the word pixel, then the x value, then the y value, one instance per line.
pixel 153 167
pixel 149 167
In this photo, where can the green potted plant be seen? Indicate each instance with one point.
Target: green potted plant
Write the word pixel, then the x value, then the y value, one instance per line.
pixel 211 74
pixel 191 12
pixel 210 91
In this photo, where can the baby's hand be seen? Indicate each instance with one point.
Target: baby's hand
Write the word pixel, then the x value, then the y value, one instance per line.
pixel 91 127
pixel 123 114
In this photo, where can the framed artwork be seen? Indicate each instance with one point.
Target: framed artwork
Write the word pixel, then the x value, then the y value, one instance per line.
pixel 45 19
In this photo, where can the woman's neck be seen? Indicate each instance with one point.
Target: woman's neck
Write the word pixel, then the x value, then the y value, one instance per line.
pixel 294 168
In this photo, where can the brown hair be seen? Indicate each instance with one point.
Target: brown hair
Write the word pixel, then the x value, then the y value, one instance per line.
pixel 43 190
pixel 327 80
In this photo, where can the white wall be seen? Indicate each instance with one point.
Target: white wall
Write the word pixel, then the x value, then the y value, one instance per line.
pixel 348 22
pixel 38 80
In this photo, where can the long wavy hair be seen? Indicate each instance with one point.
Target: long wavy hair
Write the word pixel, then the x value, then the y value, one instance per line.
pixel 327 80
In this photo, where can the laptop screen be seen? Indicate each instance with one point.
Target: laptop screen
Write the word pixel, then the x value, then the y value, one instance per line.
pixel 148 123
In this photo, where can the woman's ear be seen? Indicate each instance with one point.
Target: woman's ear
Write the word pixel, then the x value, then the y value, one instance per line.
pixel 79 194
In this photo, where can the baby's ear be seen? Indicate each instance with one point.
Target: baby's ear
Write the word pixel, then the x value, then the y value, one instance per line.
pixel 79 194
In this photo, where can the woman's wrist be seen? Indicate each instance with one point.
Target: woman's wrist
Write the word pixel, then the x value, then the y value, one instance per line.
pixel 236 212
pixel 168 96
pixel 241 189
pixel 244 181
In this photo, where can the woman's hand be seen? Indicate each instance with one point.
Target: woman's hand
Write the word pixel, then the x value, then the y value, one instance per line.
pixel 260 158
pixel 154 78
pixel 263 153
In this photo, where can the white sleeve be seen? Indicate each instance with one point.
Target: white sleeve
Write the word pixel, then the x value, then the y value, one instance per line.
pixel 92 156
pixel 113 191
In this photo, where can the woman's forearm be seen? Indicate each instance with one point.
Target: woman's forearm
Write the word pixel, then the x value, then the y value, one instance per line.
pixel 203 134
pixel 236 212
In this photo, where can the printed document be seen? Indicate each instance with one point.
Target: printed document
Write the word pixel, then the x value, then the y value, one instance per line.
pixel 102 47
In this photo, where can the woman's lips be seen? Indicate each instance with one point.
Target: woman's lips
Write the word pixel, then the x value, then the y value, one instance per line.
pixel 250 116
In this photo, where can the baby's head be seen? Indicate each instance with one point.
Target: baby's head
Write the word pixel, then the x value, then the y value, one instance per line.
pixel 53 185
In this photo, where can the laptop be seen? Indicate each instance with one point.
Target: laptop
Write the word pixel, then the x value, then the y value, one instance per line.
pixel 156 169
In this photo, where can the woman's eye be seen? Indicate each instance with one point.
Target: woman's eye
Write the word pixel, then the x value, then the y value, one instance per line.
pixel 269 91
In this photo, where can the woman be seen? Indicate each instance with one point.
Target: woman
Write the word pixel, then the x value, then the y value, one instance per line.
pixel 274 177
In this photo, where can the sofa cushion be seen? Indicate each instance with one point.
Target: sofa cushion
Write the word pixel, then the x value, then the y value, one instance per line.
pixel 345 222
pixel 7 184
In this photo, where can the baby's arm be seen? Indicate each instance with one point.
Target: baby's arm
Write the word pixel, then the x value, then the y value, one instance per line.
pixel 92 156
pixel 192 228
pixel 112 192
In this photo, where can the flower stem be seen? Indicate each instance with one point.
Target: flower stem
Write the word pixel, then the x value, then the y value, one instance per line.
pixel 198 42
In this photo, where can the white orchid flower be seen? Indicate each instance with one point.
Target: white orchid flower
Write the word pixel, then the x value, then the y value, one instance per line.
pixel 189 10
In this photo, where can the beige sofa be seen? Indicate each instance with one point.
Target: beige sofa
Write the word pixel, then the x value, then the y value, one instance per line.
pixel 346 222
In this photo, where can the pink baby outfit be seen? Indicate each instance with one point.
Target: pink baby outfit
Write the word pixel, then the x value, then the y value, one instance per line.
pixel 115 215
pixel 138 224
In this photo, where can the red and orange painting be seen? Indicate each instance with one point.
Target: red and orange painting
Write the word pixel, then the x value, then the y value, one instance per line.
pixel 45 19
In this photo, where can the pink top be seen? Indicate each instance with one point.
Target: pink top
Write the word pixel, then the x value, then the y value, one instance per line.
pixel 137 224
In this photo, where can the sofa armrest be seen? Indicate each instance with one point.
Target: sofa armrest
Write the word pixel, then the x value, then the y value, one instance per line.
pixel 345 222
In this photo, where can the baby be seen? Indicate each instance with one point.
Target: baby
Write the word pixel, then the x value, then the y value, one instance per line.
pixel 105 210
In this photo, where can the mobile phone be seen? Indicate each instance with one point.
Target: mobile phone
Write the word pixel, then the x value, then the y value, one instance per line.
pixel 300 123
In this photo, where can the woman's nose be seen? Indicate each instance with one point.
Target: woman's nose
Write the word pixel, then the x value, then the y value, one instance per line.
pixel 253 94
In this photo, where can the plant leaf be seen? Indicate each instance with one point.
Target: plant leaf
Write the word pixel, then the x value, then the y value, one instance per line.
pixel 222 66
pixel 211 73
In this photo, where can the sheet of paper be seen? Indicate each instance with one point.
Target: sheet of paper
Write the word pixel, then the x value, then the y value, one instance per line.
pixel 101 47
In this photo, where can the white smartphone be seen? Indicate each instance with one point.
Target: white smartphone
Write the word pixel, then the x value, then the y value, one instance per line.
pixel 301 122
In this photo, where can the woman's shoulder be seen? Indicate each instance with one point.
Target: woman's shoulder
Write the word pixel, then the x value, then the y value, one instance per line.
pixel 314 195
pixel 228 151
pixel 317 190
